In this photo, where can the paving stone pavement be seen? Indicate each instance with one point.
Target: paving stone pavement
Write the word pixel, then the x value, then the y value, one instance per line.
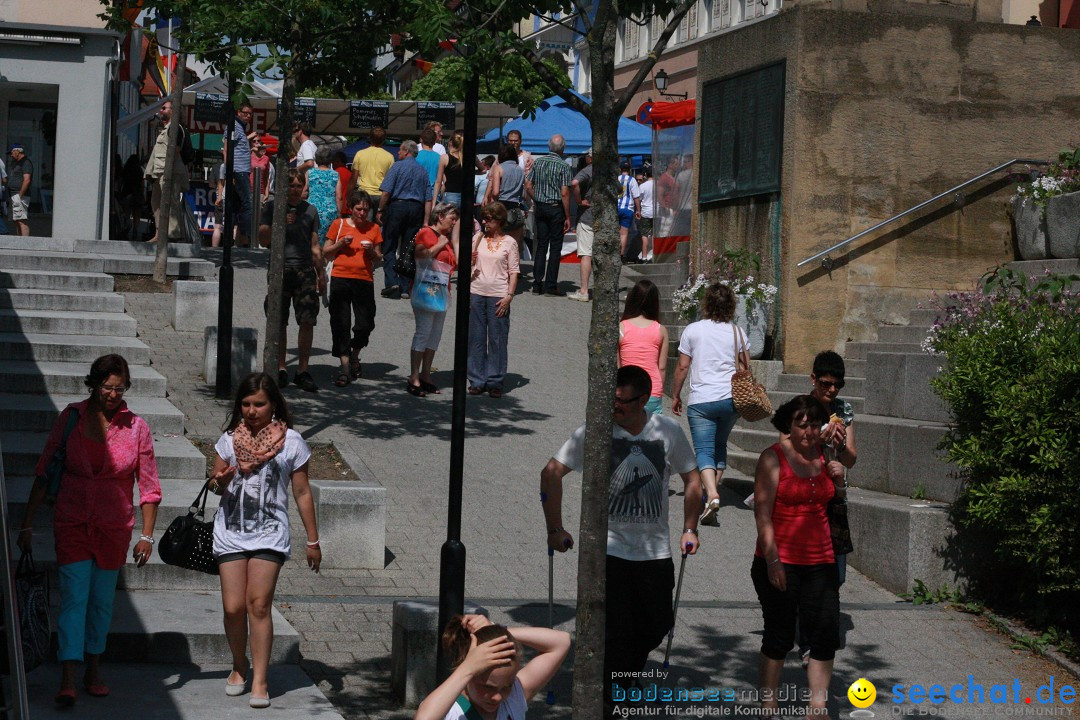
pixel 344 617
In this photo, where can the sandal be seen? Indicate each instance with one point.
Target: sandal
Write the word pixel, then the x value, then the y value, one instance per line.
pixel 415 390
pixel 66 697
pixel 98 690
pixel 342 379
pixel 495 392
pixel 430 388
pixel 355 370
pixel 476 391
pixel 710 511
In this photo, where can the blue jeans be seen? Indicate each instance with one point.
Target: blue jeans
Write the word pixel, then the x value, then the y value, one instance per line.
pixel 401 221
pixel 86 606
pixel 487 343
pixel 710 425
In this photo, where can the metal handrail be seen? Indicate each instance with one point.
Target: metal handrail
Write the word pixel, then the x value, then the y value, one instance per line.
pixel 920 206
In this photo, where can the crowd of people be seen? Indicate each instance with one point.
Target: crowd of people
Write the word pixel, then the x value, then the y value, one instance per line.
pixel 797 564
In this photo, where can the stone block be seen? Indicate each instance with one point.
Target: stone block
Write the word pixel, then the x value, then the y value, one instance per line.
pixel 1063 225
pixel 882 390
pixel 413 650
pixel 245 344
pixel 767 372
pixel 352 523
pixel 898 384
pixel 1030 228
pixel 195 305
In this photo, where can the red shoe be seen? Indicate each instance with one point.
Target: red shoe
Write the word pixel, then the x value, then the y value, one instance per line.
pixel 99 690
pixel 66 697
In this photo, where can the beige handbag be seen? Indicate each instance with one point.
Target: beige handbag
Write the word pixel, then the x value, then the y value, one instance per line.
pixel 751 400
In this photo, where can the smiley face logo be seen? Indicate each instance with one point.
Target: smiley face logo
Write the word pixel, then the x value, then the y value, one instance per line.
pixel 862 693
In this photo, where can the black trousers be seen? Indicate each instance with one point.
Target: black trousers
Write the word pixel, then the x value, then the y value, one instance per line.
pixel 639 616
pixel 351 296
pixel 549 240
pixel 812 598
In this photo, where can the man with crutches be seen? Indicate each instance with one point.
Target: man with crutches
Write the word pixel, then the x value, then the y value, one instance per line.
pixel 645 450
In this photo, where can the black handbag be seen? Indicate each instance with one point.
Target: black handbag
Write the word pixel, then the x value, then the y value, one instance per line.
pixel 405 263
pixel 836 511
pixel 189 540
pixel 32 593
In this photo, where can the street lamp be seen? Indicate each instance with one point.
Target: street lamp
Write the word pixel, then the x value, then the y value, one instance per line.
pixel 660 80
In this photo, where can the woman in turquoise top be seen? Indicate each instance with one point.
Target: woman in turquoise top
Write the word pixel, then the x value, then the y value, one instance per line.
pixel 324 191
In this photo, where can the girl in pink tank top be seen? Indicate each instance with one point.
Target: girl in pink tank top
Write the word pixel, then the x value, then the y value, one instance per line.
pixel 643 340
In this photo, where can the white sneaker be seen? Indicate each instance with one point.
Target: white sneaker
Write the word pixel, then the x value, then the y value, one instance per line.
pixel 580 296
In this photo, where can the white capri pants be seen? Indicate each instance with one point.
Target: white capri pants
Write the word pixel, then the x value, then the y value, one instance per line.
pixel 429 327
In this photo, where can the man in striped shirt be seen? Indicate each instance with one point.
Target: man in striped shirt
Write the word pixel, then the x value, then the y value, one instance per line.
pixel 548 184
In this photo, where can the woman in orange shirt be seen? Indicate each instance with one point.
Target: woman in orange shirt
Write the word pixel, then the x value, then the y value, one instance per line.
pixel 434 245
pixel 353 244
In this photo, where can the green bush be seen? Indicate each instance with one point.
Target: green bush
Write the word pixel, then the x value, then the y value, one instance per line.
pixel 1011 381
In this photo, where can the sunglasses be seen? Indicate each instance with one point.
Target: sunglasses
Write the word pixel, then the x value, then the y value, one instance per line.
pixel 627 401
pixel 839 384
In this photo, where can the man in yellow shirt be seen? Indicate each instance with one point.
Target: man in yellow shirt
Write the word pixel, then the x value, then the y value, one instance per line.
pixel 369 166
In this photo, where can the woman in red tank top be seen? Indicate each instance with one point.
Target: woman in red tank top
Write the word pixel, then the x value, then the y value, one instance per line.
pixel 794 570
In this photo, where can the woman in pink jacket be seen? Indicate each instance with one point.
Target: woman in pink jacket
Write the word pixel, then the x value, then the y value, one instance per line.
pixel 108 450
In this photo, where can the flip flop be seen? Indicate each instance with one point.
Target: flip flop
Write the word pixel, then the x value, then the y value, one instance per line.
pixel 415 390
pixel 99 690
pixel 430 388
pixel 66 697
pixel 342 379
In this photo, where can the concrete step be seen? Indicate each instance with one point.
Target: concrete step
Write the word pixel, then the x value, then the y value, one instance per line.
pixel 36 279
pixel 25 376
pixel 43 347
pixel 924 316
pixel 67 322
pixel 900 457
pixel 105 247
pixel 182 627
pixel 29 413
pixel 752 438
pixel 902 333
pixel 176 456
pixel 897 540
pixel 65 300
pixel 96 262
pixel 175 691
pixel 801 384
pixel 858 350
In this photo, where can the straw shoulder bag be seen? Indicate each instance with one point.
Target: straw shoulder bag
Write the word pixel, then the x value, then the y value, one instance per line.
pixel 751 400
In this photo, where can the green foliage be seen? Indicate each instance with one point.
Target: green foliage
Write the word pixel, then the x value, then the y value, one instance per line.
pixel 1012 385
pixel 919 493
pixel 921 594
pixel 512 81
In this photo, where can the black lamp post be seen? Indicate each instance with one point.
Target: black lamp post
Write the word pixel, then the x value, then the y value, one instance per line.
pixel 223 381
pixel 660 80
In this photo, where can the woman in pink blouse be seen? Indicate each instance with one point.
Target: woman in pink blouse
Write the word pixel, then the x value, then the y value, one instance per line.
pixel 108 450
pixel 494 281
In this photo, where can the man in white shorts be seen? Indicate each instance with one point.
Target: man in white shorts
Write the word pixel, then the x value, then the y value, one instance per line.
pixel 19 176
pixel 581 186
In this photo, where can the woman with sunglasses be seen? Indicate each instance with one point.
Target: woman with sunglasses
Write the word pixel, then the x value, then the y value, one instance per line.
pixel 108 450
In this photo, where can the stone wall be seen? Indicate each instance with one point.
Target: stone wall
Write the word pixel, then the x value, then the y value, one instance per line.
pixel 883 111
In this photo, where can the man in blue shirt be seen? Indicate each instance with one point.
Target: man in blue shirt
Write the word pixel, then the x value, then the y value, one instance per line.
pixel 240 145
pixel 403 210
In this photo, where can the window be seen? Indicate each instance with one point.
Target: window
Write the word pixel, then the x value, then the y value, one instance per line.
pixel 631 37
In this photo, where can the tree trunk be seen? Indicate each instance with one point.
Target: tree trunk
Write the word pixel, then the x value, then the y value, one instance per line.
pixel 273 335
pixel 589 683
pixel 168 188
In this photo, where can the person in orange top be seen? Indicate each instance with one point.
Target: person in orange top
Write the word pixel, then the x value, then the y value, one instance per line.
pixel 353 244
pixel 434 243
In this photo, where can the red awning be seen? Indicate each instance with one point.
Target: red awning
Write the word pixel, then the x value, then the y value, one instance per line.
pixel 672 114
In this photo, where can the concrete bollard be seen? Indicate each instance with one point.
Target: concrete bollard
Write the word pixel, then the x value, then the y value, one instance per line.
pixel 352 523
pixel 245 344
pixel 414 649
pixel 194 303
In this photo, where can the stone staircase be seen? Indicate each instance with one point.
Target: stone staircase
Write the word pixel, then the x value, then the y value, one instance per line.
pixel 58 312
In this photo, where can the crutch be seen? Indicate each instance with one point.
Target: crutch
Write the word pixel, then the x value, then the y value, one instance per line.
pixel 675 610
pixel 551 608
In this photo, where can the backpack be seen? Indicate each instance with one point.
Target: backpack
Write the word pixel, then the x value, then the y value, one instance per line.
pixel 187 152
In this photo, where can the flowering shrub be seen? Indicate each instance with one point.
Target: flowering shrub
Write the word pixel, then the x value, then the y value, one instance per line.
pixel 735 268
pixel 1011 381
pixel 1059 178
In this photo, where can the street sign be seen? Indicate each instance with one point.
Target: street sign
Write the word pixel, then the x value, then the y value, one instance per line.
pixel 444 113
pixel 366 114
pixel 210 107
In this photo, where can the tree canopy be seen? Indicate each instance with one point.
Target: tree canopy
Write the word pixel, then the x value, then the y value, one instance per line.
pixel 513 82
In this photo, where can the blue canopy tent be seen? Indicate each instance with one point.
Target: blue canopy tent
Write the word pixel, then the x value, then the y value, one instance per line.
pixel 556 116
